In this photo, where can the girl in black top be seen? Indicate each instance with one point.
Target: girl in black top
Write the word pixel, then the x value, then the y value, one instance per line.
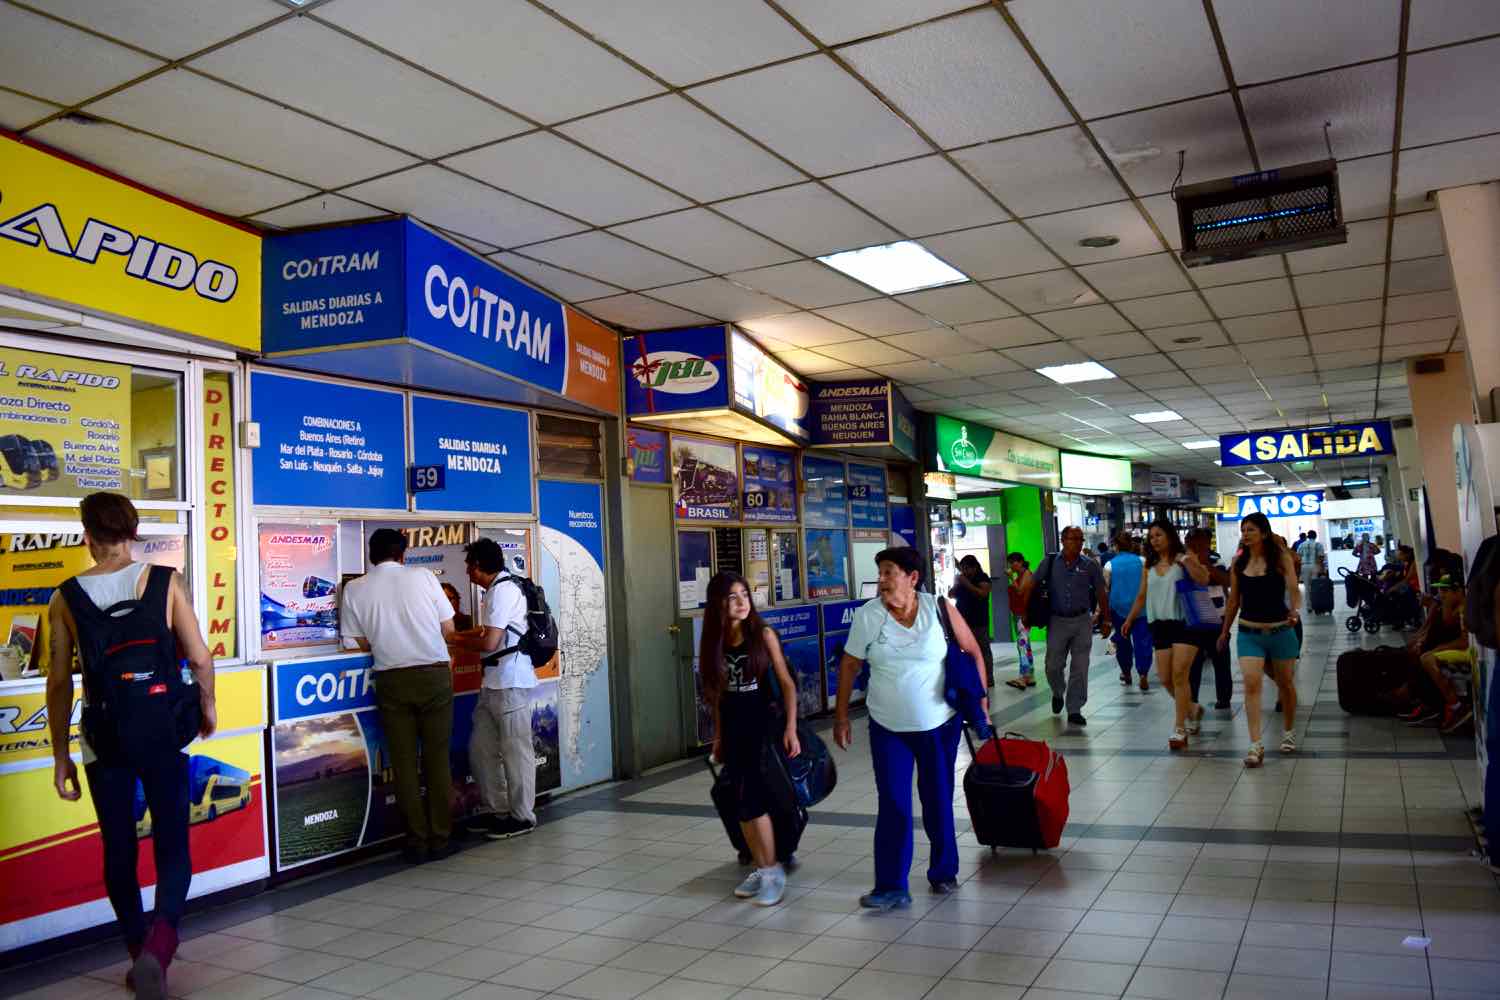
pixel 738 656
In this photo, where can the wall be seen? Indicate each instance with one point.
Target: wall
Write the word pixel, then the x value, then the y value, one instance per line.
pixel 1438 402
pixel 1406 475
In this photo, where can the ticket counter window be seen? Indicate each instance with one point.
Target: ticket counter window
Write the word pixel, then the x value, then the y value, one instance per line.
pixel 786 565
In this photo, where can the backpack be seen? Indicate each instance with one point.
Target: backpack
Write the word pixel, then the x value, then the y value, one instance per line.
pixel 1039 606
pixel 539 641
pixel 1479 594
pixel 139 704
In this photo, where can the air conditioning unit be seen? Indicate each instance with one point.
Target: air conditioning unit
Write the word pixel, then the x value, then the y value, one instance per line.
pixel 1256 215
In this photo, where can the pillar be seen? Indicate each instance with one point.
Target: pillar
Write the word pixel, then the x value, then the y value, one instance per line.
pixel 1440 399
pixel 1471 231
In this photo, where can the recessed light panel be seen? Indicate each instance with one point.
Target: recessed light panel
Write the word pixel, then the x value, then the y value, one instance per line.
pixel 1156 416
pixel 1200 445
pixel 895 267
pixel 1084 371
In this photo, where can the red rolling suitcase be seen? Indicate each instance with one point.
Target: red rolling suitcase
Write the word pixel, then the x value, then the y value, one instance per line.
pixel 1017 790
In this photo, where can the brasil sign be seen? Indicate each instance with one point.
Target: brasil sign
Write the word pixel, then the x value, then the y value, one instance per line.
pixel 1310 444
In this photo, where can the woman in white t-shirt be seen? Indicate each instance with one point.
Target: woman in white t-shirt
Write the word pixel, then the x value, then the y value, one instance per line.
pixel 911 725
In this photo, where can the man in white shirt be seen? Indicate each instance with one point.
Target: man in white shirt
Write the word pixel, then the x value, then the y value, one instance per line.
pixel 501 752
pixel 1314 563
pixel 401 616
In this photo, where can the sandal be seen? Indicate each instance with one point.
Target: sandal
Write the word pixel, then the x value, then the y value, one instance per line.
pixel 1195 721
pixel 1289 742
pixel 1016 683
pixel 1256 756
pixel 1178 741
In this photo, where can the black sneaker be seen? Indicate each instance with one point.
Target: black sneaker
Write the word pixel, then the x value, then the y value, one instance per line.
pixel 497 827
pixel 1077 719
pixel 1057 705
pixel 510 827
pixel 413 855
pixel 480 822
pixel 439 853
pixel 944 888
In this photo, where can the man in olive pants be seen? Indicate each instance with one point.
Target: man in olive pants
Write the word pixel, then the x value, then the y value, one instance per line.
pixel 401 616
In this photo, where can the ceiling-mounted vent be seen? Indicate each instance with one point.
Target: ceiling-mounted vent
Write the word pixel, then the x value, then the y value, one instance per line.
pixel 1429 366
pixel 1255 215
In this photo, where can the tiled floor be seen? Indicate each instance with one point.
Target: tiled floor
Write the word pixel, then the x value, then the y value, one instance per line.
pixel 1342 872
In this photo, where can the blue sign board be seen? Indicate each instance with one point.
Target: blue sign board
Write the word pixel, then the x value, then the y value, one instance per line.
pixel 824 500
pixel 670 371
pixel 305 688
pixel 1306 504
pixel 1308 444
pixel 792 623
pixel 426 478
pixel 903 425
pixel 769 484
pixel 851 413
pixel 797 628
pixel 333 286
pixel 839 615
pixel 328 445
pixel 869 512
pixel 647 451
pixel 485 452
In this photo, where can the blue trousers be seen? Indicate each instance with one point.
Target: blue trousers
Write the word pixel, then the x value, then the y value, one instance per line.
pixel 935 754
pixel 1138 645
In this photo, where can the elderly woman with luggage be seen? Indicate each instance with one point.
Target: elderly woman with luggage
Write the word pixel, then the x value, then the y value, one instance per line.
pixel 911 723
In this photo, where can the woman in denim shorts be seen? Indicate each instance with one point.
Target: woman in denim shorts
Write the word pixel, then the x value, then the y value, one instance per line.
pixel 1263 585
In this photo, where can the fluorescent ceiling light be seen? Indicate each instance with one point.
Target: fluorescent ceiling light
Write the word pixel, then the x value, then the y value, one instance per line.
pixel 1217 462
pixel 1200 445
pixel 1084 371
pixel 1156 416
pixel 895 267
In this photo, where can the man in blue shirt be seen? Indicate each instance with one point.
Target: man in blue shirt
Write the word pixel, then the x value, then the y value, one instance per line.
pixel 1075 586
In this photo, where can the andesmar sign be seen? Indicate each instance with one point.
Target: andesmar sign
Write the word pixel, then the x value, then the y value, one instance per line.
pixel 1309 444
pixel 975 450
pixel 81 238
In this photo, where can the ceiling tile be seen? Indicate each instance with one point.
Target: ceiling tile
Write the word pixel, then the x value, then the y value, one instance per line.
pixel 1366 246
pixel 992 251
pixel 1268 39
pixel 682 147
pixel 1048 172
pixel 1345 359
pixel 1449 165
pixel 966 303
pixel 935 343
pixel 980 363
pixel 1016 380
pixel 808 217
pixel 814 114
pixel 962 79
pixel 313 68
pixel 1332 287
pixel 1144 145
pixel 16 112
pixel 808 362
pixel 720 299
pixel 1197 358
pixel 1365 189
pixel 1044 291
pixel 1237 272
pixel 1103 54
pixel 800 330
pixel 923 373
pixel 197 178
pixel 1219 375
pixel 458 40
pixel 1430 274
pixel 1135 277
pixel 1163 212
pixel 1250 298
pixel 867 352
pixel 1420 331
pixel 612 259
pixel 1166 310
pixel 1415 351
pixel 1041 355
pixel 443 198
pixel 1169 338
pixel 1429 305
pixel 682 41
pixel 1345 316
pixel 877 317
pixel 1287 118
pixel 1346 340
pixel 320 210
pixel 1088 321
pixel 1063 231
pixel 708 240
pixel 805 282
pixel 554 172
pixel 1438 22
pixel 170 28
pixel 570 287
pixel 1450 93
pixel 920 197
pixel 956 387
pixel 191 109
pixel 1011 332
pixel 57 63
pixel 1419 234
pixel 636 312
pixel 1117 345
pixel 836 21
pixel 1161 380
pixel 1282 347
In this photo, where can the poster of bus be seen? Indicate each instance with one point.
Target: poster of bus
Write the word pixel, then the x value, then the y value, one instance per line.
pixel 705 477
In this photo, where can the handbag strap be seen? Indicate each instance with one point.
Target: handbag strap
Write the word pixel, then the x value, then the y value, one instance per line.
pixel 943 618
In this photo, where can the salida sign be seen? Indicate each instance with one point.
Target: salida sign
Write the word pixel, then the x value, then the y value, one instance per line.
pixel 1308 445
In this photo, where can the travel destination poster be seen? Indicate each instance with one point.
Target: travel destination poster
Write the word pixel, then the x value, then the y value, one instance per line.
pixel 770 489
pixel 869 513
pixel 827 563
pixel 299 573
pixel 64 425
pixel 824 499
pixel 706 479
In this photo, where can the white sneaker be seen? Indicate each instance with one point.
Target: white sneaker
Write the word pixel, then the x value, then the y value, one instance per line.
pixel 750 886
pixel 772 887
pixel 1289 742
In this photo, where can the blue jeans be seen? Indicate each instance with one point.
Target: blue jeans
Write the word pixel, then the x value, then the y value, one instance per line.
pixel 934 752
pixel 1137 646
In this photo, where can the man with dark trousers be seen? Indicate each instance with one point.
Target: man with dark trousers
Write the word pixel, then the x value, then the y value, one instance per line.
pixel 400 615
pixel 971 593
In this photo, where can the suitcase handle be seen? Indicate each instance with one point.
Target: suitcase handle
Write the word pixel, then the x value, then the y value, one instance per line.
pixel 973 754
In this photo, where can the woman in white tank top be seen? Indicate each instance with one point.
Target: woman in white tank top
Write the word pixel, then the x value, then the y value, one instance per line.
pixel 1167 563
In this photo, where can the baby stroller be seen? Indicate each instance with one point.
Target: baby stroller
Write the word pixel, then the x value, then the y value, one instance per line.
pixel 1375 606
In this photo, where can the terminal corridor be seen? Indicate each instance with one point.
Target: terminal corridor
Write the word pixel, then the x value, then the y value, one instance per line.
pixel 1344 871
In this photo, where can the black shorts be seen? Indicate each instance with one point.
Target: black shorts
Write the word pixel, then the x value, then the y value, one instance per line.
pixel 1167 632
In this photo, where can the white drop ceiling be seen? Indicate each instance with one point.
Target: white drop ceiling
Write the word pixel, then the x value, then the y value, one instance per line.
pixel 680 161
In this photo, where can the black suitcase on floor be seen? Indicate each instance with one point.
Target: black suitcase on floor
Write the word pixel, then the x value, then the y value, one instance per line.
pixel 1320 595
pixel 1002 804
pixel 788 818
pixel 1366 678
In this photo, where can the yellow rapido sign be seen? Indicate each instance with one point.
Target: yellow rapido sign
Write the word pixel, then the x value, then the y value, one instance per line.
pixel 80 237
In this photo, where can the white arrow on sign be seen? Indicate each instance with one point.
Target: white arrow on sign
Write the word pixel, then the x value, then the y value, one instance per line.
pixel 1241 450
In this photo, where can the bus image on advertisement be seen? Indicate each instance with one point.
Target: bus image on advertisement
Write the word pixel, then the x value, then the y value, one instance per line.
pixel 214 788
pixel 26 464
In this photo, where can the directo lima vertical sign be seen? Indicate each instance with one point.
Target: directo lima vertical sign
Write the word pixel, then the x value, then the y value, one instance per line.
pixel 393 280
